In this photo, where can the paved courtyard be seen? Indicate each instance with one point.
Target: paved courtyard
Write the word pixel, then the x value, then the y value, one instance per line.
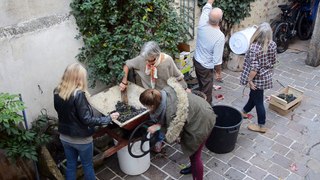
pixel 289 150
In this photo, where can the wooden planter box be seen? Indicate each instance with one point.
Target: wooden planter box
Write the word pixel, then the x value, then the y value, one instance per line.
pixel 281 106
pixel 105 102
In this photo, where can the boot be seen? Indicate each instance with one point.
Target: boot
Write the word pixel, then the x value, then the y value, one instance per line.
pixel 186 170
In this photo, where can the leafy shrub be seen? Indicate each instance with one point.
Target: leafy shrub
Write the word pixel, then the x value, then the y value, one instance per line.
pixel 15 139
pixel 114 31
pixel 233 13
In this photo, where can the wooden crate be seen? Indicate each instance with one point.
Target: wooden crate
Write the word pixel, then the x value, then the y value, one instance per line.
pixel 281 111
pixel 281 106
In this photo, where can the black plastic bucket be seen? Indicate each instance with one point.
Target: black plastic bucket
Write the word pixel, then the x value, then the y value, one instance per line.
pixel 224 134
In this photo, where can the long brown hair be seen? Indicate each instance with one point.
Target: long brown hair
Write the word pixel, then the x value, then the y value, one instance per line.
pixel 150 98
pixel 263 36
pixel 74 77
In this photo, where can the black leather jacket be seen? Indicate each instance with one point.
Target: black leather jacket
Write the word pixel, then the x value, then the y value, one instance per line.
pixel 76 116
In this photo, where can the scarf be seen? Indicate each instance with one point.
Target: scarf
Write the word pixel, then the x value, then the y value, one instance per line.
pixel 151 70
pixel 158 115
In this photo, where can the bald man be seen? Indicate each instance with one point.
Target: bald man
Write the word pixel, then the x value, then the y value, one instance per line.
pixel 209 48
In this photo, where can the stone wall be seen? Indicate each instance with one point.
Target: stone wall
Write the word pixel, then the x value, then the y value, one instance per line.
pixel 261 11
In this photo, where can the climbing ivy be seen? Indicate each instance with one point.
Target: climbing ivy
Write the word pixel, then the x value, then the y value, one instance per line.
pixel 114 31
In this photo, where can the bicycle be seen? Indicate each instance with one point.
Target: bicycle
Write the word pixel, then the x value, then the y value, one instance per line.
pixel 307 20
pixel 296 19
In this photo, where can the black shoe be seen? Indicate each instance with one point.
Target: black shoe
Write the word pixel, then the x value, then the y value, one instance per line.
pixel 186 170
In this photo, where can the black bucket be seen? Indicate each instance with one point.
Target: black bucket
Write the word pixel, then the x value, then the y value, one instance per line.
pixel 224 134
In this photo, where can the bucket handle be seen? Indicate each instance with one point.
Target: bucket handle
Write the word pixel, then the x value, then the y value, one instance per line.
pixel 233 130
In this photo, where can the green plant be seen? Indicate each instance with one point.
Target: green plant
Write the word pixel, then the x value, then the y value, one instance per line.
pixel 114 31
pixel 15 139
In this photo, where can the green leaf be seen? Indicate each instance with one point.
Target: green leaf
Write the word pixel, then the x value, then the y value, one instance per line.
pixel 111 35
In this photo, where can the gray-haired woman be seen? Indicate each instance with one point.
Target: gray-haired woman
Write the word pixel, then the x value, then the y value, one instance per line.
pixel 153 67
pixel 257 73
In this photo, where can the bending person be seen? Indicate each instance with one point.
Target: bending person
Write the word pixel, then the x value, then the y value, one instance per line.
pixel 154 69
pixel 183 115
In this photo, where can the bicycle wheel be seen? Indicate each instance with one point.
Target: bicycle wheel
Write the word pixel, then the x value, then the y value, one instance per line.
pixel 274 24
pixel 305 27
pixel 280 37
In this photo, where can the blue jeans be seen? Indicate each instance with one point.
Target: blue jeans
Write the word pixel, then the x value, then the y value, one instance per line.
pixel 256 100
pixel 85 151
pixel 160 136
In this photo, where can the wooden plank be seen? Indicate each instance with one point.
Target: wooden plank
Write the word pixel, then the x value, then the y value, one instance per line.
pixel 283 112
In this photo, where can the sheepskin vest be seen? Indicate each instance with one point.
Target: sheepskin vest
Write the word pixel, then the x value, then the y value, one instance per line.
pixel 188 116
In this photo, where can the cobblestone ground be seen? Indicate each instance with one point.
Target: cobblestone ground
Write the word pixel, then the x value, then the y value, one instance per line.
pixel 289 150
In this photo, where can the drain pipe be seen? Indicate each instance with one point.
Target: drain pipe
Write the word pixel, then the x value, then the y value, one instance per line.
pixel 26 125
pixel 24 114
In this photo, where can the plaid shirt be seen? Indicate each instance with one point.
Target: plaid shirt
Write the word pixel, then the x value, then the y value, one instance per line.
pixel 262 63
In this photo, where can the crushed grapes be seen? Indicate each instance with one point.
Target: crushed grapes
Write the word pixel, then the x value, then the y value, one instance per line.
pixel 127 111
pixel 287 97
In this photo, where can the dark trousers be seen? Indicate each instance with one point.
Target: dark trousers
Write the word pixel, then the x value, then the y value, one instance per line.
pixel 256 100
pixel 205 79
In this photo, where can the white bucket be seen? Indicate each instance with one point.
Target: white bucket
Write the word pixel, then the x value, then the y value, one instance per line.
pixel 130 165
pixel 240 41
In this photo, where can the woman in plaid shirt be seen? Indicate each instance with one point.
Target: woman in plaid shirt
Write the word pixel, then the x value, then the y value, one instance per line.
pixel 257 73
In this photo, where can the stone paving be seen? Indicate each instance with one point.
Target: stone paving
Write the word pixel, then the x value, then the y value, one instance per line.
pixel 289 150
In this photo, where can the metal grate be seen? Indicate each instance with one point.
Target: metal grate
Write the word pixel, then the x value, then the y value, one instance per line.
pixel 187 14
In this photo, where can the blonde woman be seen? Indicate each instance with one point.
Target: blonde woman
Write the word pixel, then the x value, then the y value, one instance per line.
pixel 76 120
pixel 257 73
